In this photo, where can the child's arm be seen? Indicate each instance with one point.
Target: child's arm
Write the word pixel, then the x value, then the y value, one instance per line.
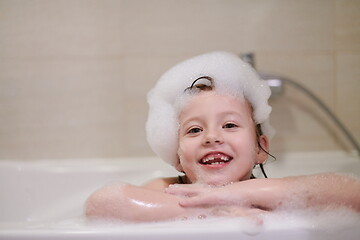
pixel 141 204
pixel 132 203
pixel 317 191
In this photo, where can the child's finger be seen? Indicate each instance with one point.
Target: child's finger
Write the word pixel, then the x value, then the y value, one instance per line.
pixel 210 198
pixel 188 190
pixel 193 202
pixel 182 191
pixel 200 200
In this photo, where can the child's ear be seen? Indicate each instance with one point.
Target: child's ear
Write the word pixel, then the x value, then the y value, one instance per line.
pixel 261 154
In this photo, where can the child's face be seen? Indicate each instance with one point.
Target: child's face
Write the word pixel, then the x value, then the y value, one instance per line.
pixel 217 139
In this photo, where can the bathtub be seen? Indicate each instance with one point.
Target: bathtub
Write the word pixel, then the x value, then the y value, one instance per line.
pixel 44 199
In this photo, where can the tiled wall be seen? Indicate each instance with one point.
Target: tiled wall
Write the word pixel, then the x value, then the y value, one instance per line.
pixel 74 73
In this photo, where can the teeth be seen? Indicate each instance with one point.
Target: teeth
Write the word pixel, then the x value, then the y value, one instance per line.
pixel 215 163
pixel 212 158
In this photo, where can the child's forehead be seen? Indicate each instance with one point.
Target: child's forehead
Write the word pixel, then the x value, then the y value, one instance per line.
pixel 213 101
pixel 211 97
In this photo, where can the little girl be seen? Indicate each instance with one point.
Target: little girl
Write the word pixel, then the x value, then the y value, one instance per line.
pixel 209 118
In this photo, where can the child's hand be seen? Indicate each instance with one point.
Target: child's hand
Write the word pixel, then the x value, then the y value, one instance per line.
pixel 198 195
pixel 187 190
pixel 219 201
pixel 254 214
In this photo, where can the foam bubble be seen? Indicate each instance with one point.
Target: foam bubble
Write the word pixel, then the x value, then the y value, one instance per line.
pixel 329 220
pixel 310 223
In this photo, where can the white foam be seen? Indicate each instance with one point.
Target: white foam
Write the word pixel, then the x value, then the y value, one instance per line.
pixel 327 222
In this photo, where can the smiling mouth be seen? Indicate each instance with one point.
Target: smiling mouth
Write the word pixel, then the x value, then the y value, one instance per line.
pixel 215 159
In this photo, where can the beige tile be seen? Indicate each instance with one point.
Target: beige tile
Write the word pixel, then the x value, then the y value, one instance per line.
pixel 283 26
pixel 142 72
pixel 347 90
pixel 302 126
pixel 348 25
pixel 61 109
pixel 300 123
pixel 314 71
pixel 169 27
pixel 136 143
pixel 40 28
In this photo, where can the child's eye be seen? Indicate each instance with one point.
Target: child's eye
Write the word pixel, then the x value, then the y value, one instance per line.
pixel 194 130
pixel 230 125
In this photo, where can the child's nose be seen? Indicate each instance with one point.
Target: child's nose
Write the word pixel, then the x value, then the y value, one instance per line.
pixel 213 137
